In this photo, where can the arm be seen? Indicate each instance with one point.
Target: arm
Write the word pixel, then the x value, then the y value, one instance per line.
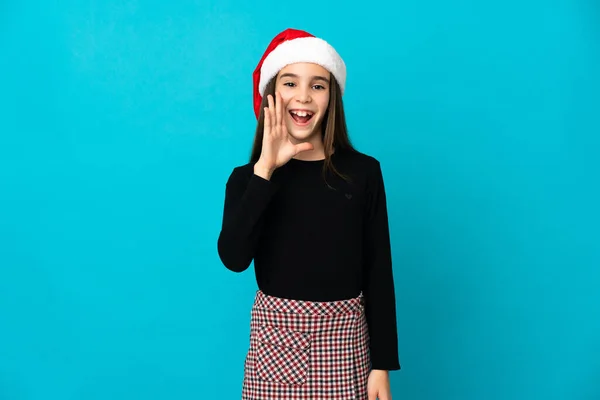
pixel 246 198
pixel 380 301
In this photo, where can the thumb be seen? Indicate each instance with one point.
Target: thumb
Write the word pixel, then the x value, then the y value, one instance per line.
pixel 303 147
pixel 372 395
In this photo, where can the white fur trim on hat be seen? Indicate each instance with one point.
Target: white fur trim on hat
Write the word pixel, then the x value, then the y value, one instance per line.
pixel 305 49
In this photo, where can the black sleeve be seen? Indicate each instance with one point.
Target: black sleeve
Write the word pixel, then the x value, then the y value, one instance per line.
pixel 380 299
pixel 246 198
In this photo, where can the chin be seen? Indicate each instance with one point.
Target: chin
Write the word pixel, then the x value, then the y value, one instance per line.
pixel 300 133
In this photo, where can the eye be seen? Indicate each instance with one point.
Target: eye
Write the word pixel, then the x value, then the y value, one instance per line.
pixel 319 87
pixel 290 84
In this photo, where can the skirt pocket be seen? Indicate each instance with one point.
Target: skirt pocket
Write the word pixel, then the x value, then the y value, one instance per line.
pixel 282 355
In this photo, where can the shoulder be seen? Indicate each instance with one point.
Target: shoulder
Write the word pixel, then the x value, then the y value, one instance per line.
pixel 240 173
pixel 363 162
pixel 359 156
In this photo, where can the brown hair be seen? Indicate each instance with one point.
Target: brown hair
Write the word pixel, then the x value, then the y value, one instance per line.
pixel 334 122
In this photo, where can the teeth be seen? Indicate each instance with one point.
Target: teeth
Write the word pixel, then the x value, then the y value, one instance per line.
pixel 301 113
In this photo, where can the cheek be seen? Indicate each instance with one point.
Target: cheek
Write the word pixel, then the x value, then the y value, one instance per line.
pixel 324 103
pixel 285 99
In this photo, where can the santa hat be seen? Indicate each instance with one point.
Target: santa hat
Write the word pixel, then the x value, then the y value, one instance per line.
pixel 292 46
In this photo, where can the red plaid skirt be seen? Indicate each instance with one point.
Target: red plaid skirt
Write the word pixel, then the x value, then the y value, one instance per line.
pixel 304 350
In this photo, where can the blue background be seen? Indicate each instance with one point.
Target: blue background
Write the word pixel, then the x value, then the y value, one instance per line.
pixel 121 121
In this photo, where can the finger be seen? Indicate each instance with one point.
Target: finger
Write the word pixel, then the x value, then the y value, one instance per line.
pixel 372 396
pixel 271 112
pixel 267 121
pixel 278 109
pixel 385 394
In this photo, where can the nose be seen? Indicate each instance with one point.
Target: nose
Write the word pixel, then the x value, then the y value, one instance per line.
pixel 303 95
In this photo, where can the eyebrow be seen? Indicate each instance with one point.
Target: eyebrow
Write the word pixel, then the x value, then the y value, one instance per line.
pixel 314 78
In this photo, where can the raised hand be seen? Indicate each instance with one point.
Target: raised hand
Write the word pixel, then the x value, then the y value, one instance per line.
pixel 277 149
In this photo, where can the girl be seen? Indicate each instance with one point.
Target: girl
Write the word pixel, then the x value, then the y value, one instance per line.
pixel 310 211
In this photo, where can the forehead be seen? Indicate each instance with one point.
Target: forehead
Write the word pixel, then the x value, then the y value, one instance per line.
pixel 305 70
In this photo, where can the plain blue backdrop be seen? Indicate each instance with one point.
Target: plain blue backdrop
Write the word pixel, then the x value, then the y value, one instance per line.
pixel 121 121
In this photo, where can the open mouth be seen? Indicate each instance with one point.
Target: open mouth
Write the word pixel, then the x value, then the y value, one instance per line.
pixel 301 117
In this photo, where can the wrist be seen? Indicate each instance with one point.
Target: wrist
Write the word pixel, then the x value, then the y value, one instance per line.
pixel 263 171
pixel 380 371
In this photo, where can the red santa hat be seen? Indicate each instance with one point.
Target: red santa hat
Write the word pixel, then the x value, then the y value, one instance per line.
pixel 293 46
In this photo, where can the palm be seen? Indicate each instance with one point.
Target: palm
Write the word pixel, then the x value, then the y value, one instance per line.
pixel 277 149
pixel 281 148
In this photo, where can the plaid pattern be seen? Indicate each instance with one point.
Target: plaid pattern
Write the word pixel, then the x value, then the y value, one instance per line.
pixel 301 350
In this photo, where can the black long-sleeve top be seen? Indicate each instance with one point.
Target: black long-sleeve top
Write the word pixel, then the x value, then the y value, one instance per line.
pixel 312 242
